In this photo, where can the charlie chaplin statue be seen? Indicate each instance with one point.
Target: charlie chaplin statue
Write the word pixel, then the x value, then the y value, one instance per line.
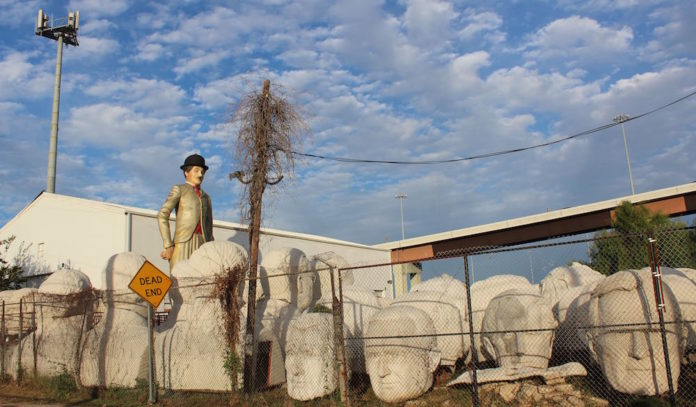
pixel 194 214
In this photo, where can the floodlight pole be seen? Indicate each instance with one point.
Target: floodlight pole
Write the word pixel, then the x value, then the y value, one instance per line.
pixel 401 198
pixel 65 32
pixel 621 118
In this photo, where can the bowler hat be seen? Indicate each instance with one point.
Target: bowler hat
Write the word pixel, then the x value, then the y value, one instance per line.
pixel 194 160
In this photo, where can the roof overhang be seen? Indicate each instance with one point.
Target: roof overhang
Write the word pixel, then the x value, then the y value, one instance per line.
pixel 673 201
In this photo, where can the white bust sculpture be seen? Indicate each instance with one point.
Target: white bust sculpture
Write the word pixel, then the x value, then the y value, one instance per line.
pixel 446 319
pixel 482 292
pixel 359 305
pixel 295 283
pixel 682 282
pixel 310 357
pixel 64 309
pixel 191 348
pixel 401 368
pixel 631 356
pixel 561 279
pixel 119 341
pixel 322 264
pixel 66 312
pixel 518 330
pixel 571 314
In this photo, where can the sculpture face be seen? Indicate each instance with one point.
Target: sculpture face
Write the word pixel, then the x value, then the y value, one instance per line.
pixel 400 368
pixel 631 357
pixel 310 357
pixel 509 317
pixel 195 175
pixel 398 373
pixel 305 290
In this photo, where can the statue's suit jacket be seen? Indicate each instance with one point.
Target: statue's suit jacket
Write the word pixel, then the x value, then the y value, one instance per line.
pixel 189 210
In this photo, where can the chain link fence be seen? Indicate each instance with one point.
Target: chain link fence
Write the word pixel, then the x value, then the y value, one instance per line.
pixel 602 320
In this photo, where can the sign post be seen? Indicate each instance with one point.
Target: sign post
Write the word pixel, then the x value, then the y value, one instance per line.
pixel 152 285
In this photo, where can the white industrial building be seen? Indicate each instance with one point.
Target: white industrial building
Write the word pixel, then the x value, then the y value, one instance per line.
pixel 56 231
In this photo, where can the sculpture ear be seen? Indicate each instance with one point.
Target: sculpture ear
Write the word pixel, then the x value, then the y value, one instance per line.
pixel 433 360
pixel 488 347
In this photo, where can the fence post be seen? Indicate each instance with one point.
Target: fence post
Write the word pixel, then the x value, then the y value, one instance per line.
pixel 339 344
pixel 474 352
pixel 33 334
pixel 4 340
pixel 19 343
pixel 660 301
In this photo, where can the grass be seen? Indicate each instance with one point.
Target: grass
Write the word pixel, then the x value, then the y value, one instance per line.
pixel 63 389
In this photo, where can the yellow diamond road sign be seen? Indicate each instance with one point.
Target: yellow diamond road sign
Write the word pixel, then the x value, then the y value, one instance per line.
pixel 150 283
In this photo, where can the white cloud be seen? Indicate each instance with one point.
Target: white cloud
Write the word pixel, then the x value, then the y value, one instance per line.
pixel 99 8
pixel 196 63
pixel 579 41
pixel 476 23
pixel 19 14
pixel 91 47
pixel 157 98
pixel 115 126
pixel 428 22
pixel 22 79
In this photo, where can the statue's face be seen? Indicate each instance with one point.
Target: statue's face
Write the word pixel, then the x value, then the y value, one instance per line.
pixel 309 372
pixel 517 350
pixel 514 343
pixel 398 373
pixel 305 290
pixel 195 175
pixel 631 357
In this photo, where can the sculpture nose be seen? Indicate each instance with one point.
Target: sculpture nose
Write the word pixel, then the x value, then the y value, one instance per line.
pixel 639 345
pixel 383 369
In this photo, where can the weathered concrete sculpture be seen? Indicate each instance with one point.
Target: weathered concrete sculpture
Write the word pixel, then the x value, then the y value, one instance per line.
pixel 191 349
pixel 561 279
pixel 322 264
pixel 443 298
pixel 65 313
pixel 518 330
pixel 482 292
pixel 310 357
pixel 401 353
pixel 682 282
pixel 115 350
pixel 625 336
pixel 359 305
pixel 286 288
pixel 571 314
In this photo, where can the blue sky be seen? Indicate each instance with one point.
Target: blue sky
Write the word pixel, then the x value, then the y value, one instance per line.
pixel 152 82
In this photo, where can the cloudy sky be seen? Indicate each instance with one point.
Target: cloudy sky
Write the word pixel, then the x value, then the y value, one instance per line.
pixel 408 80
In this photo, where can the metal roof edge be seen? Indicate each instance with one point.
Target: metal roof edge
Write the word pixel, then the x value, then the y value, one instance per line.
pixel 541 217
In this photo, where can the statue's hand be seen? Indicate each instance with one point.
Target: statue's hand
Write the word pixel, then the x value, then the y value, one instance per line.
pixel 167 253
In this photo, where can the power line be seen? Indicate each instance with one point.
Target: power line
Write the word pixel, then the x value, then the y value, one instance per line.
pixel 493 154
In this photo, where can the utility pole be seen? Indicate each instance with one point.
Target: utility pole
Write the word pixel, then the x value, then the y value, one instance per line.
pixel 401 198
pixel 65 32
pixel 621 118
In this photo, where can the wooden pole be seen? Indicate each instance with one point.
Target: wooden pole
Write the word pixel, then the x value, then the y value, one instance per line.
pixel 258 184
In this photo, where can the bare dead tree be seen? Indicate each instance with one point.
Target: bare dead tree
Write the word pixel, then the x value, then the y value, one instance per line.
pixel 269 127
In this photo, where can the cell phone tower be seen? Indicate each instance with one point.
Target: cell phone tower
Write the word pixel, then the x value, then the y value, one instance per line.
pixel 63 30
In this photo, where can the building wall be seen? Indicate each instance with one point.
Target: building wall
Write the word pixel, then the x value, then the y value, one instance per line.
pixel 59 231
